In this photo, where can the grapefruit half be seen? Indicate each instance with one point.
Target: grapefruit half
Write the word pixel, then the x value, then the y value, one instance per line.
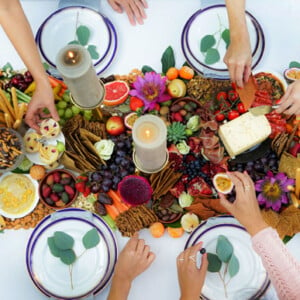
pixel 116 92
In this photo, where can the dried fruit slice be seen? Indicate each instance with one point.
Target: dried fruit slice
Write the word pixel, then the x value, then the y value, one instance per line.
pixel 116 92
pixel 135 190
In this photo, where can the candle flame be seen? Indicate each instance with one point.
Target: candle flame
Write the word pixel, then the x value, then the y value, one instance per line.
pixel 148 133
pixel 72 57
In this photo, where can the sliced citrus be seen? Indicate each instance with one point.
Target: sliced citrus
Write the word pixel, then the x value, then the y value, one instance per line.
pixel 116 92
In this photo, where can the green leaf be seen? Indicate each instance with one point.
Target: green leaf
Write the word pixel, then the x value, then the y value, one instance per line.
pixel 212 56
pixel 226 37
pixel 224 249
pixel 214 263
pixel 286 239
pixel 91 239
pixel 83 35
pixel 207 42
pixel 294 64
pixel 63 241
pixel 1 231
pixel 67 256
pixel 93 51
pixel 7 67
pixel 53 248
pixel 233 266
pixel 175 224
pixel 168 59
pixel 46 66
pixel 75 42
pixel 146 69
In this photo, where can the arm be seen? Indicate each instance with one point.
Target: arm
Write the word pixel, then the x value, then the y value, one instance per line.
pixel 17 28
pixel 290 102
pixel 134 259
pixel 238 57
pixel 135 9
pixel 282 268
pixel 190 277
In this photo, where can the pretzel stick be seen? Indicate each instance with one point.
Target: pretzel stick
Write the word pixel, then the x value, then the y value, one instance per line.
pixel 15 101
pixel 3 107
pixel 22 110
pixel 7 104
pixel 8 120
pixel 17 124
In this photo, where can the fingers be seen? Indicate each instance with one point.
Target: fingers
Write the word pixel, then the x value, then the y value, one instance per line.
pixel 204 264
pixel 239 75
pixel 225 202
pixel 115 6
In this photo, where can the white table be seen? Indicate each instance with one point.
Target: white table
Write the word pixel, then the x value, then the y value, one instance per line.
pixel 138 46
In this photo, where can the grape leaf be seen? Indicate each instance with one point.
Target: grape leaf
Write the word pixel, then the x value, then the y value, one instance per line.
pixel 224 248
pixel 214 263
pixel 226 37
pixel 53 249
pixel 91 239
pixel 167 59
pixel 63 241
pixel 233 266
pixel 294 64
pixel 67 256
pixel 93 51
pixel 207 42
pixel 83 35
pixel 212 56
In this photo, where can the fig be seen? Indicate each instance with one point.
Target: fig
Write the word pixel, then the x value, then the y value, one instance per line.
pixel 104 199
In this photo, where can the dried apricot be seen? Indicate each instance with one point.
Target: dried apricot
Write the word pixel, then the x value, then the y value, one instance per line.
pixel 172 73
pixel 37 172
pixel 157 229
pixel 186 72
pixel 175 232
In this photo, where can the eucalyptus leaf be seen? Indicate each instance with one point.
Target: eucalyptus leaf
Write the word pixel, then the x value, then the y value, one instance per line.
pixel 294 64
pixel 214 263
pixel 233 266
pixel 63 241
pixel 212 56
pixel 224 248
pixel 226 37
pixel 93 51
pixel 83 35
pixel 46 66
pixel 168 59
pixel 75 42
pixel 91 239
pixel 146 69
pixel 67 256
pixel 207 42
pixel 53 249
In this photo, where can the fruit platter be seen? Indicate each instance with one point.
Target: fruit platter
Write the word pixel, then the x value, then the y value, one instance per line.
pixel 90 163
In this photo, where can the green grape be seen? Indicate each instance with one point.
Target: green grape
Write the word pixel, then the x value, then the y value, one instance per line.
pixel 61 112
pixel 62 122
pixel 76 110
pixel 87 114
pixel 66 96
pixel 62 104
pixel 68 113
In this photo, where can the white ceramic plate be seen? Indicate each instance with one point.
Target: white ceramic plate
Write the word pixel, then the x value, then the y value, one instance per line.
pixel 250 282
pixel 35 157
pixel 31 207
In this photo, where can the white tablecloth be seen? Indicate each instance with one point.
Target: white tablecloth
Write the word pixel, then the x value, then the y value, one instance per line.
pixel 138 46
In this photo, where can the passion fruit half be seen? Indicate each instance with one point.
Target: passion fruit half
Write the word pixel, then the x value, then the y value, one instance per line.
pixel 223 183
pixel 130 119
pixel 292 74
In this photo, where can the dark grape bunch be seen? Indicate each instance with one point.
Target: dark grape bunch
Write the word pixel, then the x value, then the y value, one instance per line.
pixel 119 166
pixel 20 81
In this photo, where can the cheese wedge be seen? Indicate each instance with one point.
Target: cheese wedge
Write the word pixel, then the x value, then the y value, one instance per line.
pixel 243 133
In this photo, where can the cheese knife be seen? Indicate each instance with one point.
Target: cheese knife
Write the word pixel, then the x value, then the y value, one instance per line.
pixel 263 109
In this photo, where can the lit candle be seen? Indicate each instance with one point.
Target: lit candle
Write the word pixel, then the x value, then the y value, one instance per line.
pixel 75 66
pixel 150 142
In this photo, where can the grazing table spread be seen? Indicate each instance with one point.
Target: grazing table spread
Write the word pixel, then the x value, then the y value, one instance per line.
pixel 166 25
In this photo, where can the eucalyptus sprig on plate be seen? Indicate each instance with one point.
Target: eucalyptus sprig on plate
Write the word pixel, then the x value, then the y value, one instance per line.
pixel 224 256
pixel 61 246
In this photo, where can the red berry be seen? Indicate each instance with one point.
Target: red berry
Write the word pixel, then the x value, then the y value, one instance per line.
pixel 87 191
pixel 219 116
pixel 233 114
pixel 177 117
pixel 135 103
pixel 241 108
pixel 80 186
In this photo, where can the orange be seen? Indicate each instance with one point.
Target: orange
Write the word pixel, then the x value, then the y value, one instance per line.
pixel 186 72
pixel 172 73
pixel 116 92
pixel 157 229
pixel 175 232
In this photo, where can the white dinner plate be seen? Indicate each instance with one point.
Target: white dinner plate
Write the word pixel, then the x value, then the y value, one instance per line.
pixel 35 157
pixel 250 282
pixel 33 204
pixel 97 263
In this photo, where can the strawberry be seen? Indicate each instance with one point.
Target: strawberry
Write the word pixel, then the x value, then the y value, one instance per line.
pixel 82 178
pixel 87 191
pixel 135 103
pixel 177 117
pixel 80 186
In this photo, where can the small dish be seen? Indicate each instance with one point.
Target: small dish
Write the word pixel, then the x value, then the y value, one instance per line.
pixel 22 191
pixel 292 74
pixel 57 189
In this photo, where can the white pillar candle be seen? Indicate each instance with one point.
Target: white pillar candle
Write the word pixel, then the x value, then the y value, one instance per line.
pixel 150 141
pixel 75 66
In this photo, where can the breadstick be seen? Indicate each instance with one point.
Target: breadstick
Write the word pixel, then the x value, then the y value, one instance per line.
pixel 8 120
pixel 7 104
pixel 15 101
pixel 2 118
pixel 17 124
pixel 22 110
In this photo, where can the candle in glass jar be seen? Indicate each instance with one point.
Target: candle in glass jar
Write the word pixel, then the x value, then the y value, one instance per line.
pixel 75 66
pixel 150 142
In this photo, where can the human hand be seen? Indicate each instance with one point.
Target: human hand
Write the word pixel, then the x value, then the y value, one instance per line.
pixel 135 9
pixel 290 102
pixel 42 98
pixel 190 277
pixel 245 208
pixel 238 59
